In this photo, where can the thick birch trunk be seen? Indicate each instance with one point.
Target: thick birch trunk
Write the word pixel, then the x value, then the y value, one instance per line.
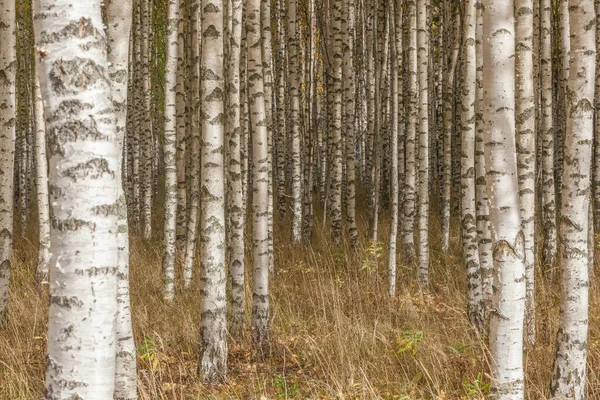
pixel 508 301
pixel 569 373
pixel 213 278
pixel 85 176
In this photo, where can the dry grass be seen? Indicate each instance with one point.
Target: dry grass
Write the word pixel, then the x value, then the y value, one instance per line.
pixel 335 332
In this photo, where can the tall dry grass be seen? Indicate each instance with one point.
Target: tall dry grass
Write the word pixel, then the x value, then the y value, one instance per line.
pixel 335 332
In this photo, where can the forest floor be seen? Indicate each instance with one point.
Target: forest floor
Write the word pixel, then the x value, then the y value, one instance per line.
pixel 335 332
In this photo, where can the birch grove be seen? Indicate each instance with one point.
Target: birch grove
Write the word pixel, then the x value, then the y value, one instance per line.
pixel 299 199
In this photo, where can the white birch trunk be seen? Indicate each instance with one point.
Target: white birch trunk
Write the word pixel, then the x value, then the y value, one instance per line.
pixel 484 234
pixel 525 126
pixel 547 131
pixel 508 301
pixel 170 151
pixel 181 107
pixel 423 209
pixel 470 248
pixel 236 217
pixel 569 372
pixel 84 177
pixel 411 132
pixel 335 195
pixel 119 18
pixel 42 186
pixel 213 278
pixel 396 16
pixel 8 113
pixel 294 79
pixel 260 187
pixel 194 188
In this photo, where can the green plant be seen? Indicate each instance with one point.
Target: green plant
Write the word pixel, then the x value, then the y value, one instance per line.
pixel 286 386
pixel 477 387
pixel 149 352
pixel 408 341
pixel 372 255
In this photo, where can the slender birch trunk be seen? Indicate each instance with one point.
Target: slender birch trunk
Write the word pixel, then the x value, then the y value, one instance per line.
pixel 525 126
pixel 213 279
pixel 396 17
pixel 146 141
pixel 484 233
pixel 194 189
pixel 411 132
pixel 85 176
pixel 170 151
pixel 335 196
pixel 280 141
pixel 119 18
pixel 569 372
pixel 42 186
pixel 349 123
pixel 236 216
pixel 470 249
pixel 8 112
pixel 423 208
pixel 448 128
pixel 508 302
pixel 547 131
pixel 294 79
pixel 267 51
pixel 181 107
pixel 260 171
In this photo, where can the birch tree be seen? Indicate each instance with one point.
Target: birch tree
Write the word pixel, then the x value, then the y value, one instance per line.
pixel 260 172
pixel 349 121
pixel 236 216
pixel 396 16
pixel 525 126
pixel 194 188
pixel 213 280
pixel 423 209
pixel 294 120
pixel 411 129
pixel 508 301
pixel 170 150
pixel 547 131
pixel 467 165
pixel 84 177
pixel 483 217
pixel 41 185
pixel 336 126
pixel 8 112
pixel 569 371
pixel 146 138
pixel 119 18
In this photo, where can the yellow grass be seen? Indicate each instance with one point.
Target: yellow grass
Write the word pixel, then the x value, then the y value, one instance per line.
pixel 335 332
